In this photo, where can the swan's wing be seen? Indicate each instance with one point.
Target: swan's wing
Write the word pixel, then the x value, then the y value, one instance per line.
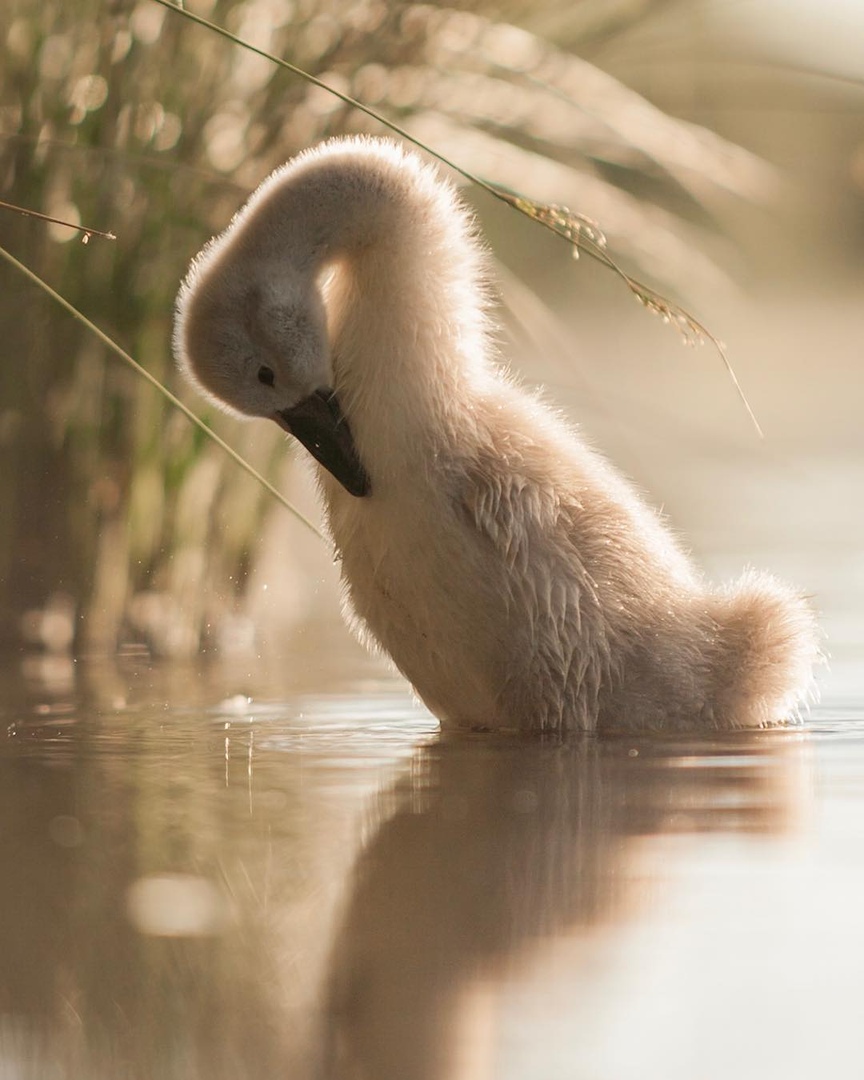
pixel 550 597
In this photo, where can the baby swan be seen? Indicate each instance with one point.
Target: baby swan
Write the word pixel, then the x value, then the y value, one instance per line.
pixel 512 575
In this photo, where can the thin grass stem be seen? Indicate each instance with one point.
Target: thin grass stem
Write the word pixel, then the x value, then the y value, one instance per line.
pixel 85 229
pixel 584 235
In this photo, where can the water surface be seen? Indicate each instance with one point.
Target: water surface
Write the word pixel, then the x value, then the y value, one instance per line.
pixel 226 873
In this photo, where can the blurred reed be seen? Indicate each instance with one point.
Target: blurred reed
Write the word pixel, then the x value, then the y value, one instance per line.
pixel 142 124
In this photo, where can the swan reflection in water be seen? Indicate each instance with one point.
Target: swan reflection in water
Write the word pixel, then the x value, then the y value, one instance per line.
pixel 493 847
pixel 489 853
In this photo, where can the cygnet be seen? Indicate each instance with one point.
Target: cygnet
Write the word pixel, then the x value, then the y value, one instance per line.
pixel 514 577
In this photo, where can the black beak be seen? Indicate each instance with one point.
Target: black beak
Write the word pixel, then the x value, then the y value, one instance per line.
pixel 318 423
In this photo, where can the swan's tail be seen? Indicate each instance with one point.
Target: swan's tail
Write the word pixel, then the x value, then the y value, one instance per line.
pixel 770 645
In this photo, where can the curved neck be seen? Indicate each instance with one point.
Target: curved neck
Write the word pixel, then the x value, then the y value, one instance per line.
pixel 405 294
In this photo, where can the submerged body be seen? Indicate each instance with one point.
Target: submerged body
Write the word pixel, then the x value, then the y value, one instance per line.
pixel 512 575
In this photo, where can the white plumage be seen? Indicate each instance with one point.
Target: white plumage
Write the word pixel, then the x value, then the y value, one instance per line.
pixel 514 577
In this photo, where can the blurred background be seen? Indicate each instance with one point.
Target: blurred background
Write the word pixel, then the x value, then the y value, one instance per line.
pixel 719 144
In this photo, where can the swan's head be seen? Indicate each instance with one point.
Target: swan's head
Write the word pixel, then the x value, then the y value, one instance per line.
pixel 253 340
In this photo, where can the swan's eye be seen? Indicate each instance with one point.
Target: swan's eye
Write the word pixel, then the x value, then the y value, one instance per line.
pixel 266 376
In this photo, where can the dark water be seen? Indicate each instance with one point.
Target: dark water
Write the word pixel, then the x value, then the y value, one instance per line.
pixel 196 884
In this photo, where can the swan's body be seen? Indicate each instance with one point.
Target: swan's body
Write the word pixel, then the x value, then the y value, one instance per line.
pixel 512 575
